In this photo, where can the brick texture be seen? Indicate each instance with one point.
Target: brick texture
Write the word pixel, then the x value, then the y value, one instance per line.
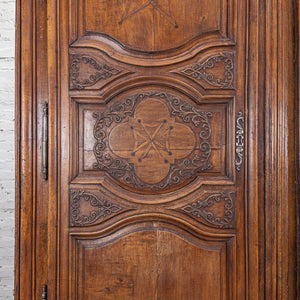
pixel 7 182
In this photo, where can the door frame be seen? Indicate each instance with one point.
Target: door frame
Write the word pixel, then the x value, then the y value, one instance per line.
pixel 273 137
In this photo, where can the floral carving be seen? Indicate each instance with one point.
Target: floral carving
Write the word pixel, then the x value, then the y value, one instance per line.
pixel 206 210
pixel 86 208
pixel 211 72
pixel 92 73
pixel 177 166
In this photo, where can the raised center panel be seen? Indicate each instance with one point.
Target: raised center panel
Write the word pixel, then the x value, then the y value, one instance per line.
pixel 153 140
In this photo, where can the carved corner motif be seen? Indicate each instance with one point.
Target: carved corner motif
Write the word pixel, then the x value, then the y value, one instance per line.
pixel 217 71
pixel 239 141
pixel 156 136
pixel 87 209
pixel 216 209
pixel 85 71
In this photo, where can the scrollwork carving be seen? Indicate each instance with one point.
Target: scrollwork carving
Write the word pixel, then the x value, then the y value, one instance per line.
pixel 205 209
pixel 122 170
pixel 100 71
pixel 86 208
pixel 209 70
pixel 239 141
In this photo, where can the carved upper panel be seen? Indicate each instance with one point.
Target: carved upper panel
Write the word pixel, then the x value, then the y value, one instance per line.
pixel 153 25
pixel 153 141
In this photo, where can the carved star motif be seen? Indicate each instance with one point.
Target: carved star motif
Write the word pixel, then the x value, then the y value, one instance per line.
pixel 156 8
pixel 151 137
pixel 152 140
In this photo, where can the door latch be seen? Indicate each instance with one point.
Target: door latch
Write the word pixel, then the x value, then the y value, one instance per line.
pixel 44 293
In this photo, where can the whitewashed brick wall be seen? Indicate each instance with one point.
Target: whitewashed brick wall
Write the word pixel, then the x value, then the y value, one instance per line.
pixel 7 174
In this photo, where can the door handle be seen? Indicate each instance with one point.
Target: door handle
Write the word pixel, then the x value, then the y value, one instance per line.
pixel 45 142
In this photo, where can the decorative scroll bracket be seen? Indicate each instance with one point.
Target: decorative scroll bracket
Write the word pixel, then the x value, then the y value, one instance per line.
pixel 216 209
pixel 87 209
pixel 239 141
pixel 217 71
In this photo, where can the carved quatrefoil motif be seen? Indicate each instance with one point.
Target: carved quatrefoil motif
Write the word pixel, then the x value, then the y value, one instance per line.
pixel 152 141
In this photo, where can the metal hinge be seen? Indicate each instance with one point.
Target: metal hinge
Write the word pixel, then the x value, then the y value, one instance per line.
pixel 44 293
pixel 45 142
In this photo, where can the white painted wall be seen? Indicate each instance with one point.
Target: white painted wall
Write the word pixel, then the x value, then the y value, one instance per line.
pixel 7 174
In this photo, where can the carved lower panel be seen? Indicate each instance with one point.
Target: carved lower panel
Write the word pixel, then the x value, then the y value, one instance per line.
pixel 216 71
pixel 216 209
pixel 85 71
pixel 87 209
pixel 152 141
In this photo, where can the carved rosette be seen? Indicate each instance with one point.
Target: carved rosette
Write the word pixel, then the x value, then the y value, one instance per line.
pixel 87 209
pixel 85 71
pixel 152 133
pixel 217 71
pixel 216 209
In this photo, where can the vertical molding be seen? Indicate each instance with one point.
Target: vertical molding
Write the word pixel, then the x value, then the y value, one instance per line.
pixel 41 215
pixel 25 150
pixel 31 193
pixel 297 131
pixel 280 251
pixel 53 173
pixel 253 153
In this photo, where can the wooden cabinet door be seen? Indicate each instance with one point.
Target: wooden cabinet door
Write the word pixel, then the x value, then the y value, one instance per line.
pixel 152 149
pixel 158 155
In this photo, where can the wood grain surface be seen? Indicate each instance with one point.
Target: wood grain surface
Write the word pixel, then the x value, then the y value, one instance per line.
pixel 171 150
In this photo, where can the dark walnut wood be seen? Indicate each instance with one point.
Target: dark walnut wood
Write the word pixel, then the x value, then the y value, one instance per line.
pixel 153 193
pixel 170 160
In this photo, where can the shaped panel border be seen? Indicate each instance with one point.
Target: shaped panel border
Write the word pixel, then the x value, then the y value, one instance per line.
pixel 224 243
pixel 79 37
pixel 80 176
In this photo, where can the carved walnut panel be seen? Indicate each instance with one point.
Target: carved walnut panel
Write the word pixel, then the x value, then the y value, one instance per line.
pixel 213 72
pixel 86 208
pixel 216 209
pixel 210 71
pixel 87 72
pixel 154 141
pixel 154 206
